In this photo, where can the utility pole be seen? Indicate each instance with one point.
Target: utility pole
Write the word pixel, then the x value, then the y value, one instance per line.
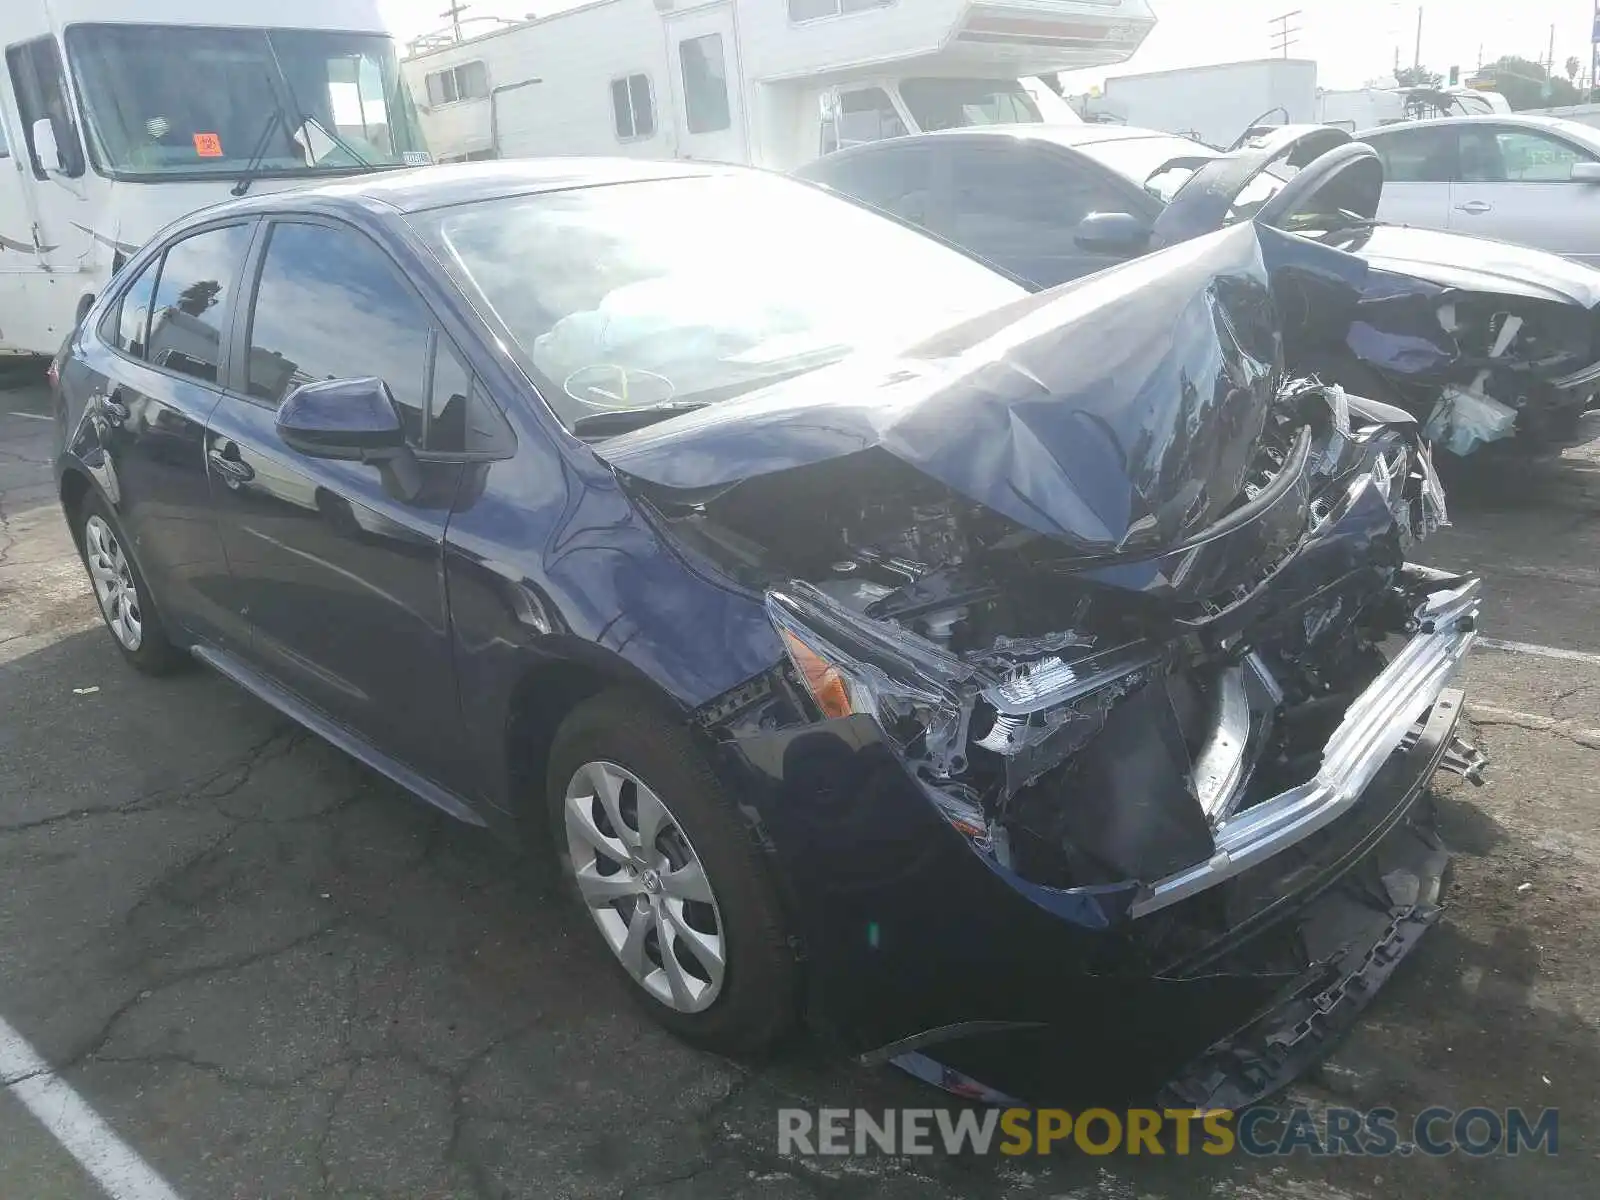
pixel 1594 57
pixel 1284 36
pixel 1416 62
pixel 453 15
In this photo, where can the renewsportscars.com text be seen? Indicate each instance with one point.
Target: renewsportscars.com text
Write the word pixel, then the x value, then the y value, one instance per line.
pixel 1258 1132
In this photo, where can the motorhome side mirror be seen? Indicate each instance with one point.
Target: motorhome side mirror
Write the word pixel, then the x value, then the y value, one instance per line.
pixel 1586 172
pixel 45 148
pixel 1113 233
pixel 350 419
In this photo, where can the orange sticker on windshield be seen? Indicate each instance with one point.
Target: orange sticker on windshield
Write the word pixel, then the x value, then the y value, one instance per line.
pixel 208 145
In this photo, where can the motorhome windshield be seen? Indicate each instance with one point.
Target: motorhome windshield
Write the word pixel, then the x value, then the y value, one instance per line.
pixel 955 103
pixel 164 101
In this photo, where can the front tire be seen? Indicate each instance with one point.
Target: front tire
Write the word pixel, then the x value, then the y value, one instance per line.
pixel 662 863
pixel 122 592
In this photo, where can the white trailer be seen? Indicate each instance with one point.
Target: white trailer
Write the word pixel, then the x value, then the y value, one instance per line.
pixel 769 82
pixel 117 118
pixel 1213 104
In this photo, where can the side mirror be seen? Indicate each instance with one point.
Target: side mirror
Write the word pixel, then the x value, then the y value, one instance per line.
pixel 1586 172
pixel 45 147
pixel 350 419
pixel 1113 233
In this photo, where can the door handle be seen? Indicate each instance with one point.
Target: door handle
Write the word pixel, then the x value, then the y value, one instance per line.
pixel 1475 207
pixel 231 469
pixel 112 408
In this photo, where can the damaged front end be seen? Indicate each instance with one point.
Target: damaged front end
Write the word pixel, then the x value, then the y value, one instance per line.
pixel 1083 734
pixel 1127 616
pixel 1486 343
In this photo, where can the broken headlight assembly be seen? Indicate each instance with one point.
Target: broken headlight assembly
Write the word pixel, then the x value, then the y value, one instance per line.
pixel 1029 717
pixel 919 694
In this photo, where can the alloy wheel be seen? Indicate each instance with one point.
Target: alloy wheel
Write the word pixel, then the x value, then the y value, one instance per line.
pixel 113 583
pixel 645 886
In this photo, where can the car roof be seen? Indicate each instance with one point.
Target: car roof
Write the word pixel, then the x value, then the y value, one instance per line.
pixel 420 188
pixel 1070 136
pixel 1525 120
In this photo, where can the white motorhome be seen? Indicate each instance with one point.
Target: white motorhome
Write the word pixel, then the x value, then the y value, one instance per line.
pixel 769 82
pixel 116 118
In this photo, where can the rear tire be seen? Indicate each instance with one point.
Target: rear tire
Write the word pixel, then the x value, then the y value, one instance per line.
pixel 653 849
pixel 121 590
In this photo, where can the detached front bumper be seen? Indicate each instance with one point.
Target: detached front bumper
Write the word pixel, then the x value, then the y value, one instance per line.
pixel 1372 730
pixel 923 949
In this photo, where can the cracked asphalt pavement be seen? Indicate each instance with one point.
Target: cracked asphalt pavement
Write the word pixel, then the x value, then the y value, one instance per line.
pixel 273 974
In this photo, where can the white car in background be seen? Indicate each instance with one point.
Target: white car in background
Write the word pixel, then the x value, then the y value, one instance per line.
pixel 1528 179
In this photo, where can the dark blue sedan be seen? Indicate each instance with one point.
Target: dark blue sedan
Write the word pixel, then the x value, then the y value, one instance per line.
pixel 1005 683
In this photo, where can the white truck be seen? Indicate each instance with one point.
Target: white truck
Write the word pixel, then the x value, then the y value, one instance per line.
pixel 1216 104
pixel 768 82
pixel 117 118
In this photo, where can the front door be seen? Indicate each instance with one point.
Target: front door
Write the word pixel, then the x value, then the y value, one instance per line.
pixel 1515 185
pixel 338 566
pixel 707 85
pixel 1419 163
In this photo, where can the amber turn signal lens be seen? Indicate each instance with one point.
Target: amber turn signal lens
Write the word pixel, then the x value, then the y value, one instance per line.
pixel 823 680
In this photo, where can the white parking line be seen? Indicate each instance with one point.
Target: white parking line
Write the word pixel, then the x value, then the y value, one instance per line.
pixel 110 1161
pixel 1581 656
pixel 32 416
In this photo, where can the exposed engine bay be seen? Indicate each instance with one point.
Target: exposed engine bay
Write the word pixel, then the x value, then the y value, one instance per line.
pixel 991 659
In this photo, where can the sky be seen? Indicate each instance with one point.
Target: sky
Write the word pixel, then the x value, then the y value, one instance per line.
pixel 1353 41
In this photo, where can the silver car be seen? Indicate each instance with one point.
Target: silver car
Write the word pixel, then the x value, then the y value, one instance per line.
pixel 1517 178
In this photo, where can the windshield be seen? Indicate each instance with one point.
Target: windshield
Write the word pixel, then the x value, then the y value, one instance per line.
pixel 188 100
pixel 680 291
pixel 955 103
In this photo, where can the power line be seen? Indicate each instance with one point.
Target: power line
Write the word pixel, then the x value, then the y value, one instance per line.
pixel 1284 36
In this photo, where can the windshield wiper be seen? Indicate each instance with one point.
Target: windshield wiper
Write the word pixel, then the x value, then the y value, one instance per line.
pixel 258 155
pixel 338 141
pixel 625 420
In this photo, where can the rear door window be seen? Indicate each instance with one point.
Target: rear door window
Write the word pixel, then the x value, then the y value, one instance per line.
pixel 896 179
pixel 193 295
pixel 1015 196
pixel 1424 155
pixel 126 324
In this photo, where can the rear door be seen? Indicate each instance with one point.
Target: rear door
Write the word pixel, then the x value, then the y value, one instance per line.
pixel 338 566
pixel 1515 184
pixel 1419 164
pixel 1018 205
pixel 707 87
pixel 157 355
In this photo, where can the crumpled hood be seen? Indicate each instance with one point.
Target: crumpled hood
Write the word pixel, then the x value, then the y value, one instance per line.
pixel 1116 413
pixel 1455 260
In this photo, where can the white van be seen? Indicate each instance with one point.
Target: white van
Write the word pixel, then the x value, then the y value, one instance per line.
pixel 116 118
